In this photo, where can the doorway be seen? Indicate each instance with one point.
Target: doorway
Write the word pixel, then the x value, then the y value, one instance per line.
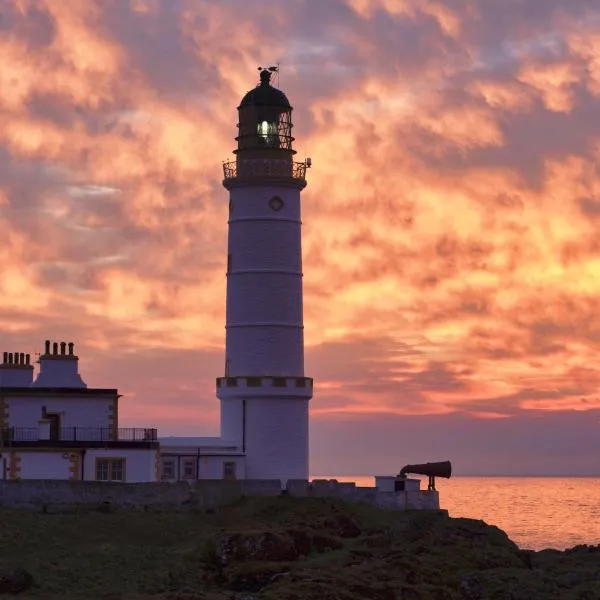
pixel 54 420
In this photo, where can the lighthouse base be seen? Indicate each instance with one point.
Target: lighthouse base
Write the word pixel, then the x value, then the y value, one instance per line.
pixel 272 433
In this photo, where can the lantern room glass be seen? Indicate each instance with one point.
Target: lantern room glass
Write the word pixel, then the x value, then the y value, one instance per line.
pixel 265 127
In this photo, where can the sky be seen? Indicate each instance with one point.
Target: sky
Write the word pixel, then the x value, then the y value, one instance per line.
pixel 450 224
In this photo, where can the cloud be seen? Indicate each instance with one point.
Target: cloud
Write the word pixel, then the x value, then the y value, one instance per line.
pixel 450 252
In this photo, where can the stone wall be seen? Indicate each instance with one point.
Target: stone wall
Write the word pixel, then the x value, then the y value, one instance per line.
pixel 59 496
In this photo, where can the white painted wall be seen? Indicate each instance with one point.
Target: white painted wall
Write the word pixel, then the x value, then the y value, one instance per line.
pixel 211 467
pixel 17 376
pixel 75 411
pixel 59 370
pixel 277 438
pixel 232 420
pixel 264 284
pixel 264 335
pixel 140 463
pixel 43 465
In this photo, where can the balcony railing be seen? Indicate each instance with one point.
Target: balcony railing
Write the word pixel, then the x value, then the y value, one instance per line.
pixel 264 168
pixel 80 434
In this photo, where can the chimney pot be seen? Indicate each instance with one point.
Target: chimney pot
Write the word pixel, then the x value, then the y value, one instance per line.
pixel 5 358
pixel 63 348
pixel 27 359
pixel 47 347
pixel 71 344
pixel 10 358
pixel 55 348
pixel 22 358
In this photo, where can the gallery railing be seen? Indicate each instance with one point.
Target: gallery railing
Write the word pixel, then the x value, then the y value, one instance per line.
pixel 79 434
pixel 264 168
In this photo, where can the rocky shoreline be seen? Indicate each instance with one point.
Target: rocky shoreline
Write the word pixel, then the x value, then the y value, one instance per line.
pixel 281 549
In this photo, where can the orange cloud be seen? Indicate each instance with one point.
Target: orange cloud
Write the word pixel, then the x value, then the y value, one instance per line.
pixel 450 251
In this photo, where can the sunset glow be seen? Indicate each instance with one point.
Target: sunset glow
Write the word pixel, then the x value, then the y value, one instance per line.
pixel 451 249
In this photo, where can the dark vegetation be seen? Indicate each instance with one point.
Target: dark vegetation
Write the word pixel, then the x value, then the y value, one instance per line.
pixel 279 549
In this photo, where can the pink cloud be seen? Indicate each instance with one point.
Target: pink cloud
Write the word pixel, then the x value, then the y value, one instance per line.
pixel 450 221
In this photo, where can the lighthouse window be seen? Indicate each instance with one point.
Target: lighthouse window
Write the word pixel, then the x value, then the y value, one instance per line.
pixel 276 203
pixel 268 132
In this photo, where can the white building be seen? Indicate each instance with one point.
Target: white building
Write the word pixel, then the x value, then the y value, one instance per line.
pixel 55 427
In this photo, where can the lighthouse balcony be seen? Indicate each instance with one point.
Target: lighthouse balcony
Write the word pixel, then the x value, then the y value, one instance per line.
pixel 277 387
pixel 273 170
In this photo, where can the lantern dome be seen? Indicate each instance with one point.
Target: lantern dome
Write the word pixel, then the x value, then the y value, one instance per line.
pixel 264 94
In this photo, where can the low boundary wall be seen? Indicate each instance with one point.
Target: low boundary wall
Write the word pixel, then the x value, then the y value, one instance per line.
pixel 64 496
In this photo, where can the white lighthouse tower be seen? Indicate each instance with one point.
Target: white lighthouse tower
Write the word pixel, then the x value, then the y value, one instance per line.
pixel 264 394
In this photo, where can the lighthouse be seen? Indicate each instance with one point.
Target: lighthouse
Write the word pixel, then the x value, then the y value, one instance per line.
pixel 264 392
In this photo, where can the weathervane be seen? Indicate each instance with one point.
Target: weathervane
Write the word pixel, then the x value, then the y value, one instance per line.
pixel 266 72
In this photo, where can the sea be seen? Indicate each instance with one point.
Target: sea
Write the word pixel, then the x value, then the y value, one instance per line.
pixel 535 512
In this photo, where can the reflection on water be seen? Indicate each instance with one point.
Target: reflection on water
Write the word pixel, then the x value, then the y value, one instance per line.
pixel 535 512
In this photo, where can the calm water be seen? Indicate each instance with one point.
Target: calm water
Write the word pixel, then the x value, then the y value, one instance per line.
pixel 535 512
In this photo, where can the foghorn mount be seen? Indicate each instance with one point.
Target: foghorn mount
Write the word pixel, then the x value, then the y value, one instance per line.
pixel 431 469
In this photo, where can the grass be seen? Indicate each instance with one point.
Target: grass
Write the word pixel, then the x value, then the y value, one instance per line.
pixel 343 552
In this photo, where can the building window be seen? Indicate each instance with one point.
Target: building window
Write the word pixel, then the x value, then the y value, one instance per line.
pixel 229 263
pixel 168 468
pixel 228 470
pixel 189 468
pixel 110 469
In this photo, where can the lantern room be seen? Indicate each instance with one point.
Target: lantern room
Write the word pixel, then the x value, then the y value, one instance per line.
pixel 265 120
pixel 264 150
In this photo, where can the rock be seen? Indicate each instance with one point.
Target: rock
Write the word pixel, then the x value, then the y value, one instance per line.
pixel 307 541
pixel 15 582
pixel 343 525
pixel 323 542
pixel 303 540
pixel 253 577
pixel 248 546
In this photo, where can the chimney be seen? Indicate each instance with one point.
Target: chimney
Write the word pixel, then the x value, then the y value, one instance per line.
pixel 59 369
pixel 27 359
pixel 47 347
pixel 14 372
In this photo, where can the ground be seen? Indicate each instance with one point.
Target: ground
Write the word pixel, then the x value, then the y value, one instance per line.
pixel 280 549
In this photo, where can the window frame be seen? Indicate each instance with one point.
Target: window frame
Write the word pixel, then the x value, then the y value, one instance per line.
pixel 106 463
pixel 172 462
pixel 188 461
